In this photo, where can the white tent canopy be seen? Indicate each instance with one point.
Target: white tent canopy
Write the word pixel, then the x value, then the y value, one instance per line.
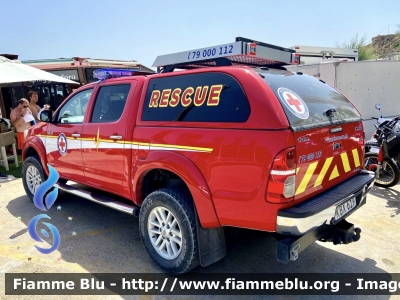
pixel 15 71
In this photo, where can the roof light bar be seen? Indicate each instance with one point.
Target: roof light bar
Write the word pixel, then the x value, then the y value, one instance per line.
pixel 111 62
pixel 103 74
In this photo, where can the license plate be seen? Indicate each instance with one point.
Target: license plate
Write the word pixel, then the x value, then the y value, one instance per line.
pixel 344 208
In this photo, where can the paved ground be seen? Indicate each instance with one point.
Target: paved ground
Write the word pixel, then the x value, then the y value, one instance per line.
pixel 108 241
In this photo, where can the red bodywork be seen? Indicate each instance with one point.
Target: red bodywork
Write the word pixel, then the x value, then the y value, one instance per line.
pixel 229 183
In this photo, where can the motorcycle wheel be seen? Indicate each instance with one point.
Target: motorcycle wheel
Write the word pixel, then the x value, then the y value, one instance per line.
pixel 388 177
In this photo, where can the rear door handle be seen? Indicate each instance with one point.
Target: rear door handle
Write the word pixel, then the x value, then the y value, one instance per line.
pixel 115 137
pixel 76 135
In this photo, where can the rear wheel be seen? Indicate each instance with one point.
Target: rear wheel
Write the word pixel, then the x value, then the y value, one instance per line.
pixel 167 224
pixel 32 175
pixel 389 174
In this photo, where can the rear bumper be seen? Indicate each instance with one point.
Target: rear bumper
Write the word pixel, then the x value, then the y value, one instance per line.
pixel 311 214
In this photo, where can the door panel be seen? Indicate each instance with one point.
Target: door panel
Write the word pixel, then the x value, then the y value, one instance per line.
pixel 64 150
pixel 104 137
pixel 63 137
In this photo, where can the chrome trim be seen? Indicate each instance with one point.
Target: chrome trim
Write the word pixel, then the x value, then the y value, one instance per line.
pixel 283 173
pixel 115 137
pixel 76 135
pixel 126 208
pixel 300 226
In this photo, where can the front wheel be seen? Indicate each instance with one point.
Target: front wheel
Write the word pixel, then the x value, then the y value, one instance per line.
pixel 32 175
pixel 389 175
pixel 167 225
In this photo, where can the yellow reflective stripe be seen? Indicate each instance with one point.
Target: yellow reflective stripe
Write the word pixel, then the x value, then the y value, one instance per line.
pixel 97 140
pixel 306 179
pixel 356 158
pixel 334 173
pixel 345 161
pixel 322 174
pixel 181 147
pixel 297 170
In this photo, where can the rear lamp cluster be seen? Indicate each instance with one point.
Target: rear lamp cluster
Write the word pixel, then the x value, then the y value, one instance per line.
pixel 282 178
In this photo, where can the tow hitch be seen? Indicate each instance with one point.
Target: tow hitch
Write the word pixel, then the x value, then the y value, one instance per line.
pixel 289 247
pixel 342 233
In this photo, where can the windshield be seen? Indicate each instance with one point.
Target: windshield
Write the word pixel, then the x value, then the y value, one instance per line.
pixel 309 102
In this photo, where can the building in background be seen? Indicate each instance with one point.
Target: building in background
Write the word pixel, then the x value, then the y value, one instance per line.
pixel 394 56
pixel 77 69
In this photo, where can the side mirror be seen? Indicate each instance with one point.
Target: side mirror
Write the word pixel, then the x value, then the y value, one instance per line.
pixel 378 106
pixel 46 116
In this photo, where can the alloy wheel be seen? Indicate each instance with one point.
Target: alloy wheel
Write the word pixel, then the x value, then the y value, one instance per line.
pixel 164 232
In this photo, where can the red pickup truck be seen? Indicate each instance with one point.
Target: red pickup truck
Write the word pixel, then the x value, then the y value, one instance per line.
pixel 216 144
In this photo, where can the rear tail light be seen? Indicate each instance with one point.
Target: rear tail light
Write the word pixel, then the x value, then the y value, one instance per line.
pixel 282 178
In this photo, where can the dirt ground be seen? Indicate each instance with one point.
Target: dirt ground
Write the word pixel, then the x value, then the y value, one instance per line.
pixel 97 239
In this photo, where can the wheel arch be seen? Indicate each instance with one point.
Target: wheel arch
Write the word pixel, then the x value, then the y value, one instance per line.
pixel 33 145
pixel 186 171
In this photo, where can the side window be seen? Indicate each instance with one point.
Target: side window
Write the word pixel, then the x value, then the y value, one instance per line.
pixel 74 109
pixel 206 97
pixel 110 103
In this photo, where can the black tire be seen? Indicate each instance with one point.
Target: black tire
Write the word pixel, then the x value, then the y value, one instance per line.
pixel 392 170
pixel 180 204
pixel 32 161
pixel 62 180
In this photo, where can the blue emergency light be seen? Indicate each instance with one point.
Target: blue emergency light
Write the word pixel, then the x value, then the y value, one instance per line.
pixel 103 74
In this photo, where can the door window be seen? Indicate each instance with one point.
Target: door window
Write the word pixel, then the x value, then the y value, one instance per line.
pixel 74 109
pixel 110 103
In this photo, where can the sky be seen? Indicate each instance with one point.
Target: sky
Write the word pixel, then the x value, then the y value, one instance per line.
pixel 141 30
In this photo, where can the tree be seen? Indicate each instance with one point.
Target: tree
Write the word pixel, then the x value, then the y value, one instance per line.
pixel 358 42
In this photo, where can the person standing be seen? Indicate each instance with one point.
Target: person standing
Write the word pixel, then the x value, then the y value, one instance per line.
pixel 17 119
pixel 33 99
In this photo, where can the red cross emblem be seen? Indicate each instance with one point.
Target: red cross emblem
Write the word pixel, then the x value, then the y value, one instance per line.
pixel 62 144
pixel 293 101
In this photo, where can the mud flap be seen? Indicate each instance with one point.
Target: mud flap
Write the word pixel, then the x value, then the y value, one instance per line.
pixel 211 243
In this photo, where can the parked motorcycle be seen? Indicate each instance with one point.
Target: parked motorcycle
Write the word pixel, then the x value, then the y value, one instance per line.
pixel 383 151
pixel 372 144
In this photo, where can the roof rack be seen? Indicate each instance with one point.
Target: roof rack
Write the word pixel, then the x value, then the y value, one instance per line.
pixel 241 52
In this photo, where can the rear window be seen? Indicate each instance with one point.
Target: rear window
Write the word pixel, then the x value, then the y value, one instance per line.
pixel 308 102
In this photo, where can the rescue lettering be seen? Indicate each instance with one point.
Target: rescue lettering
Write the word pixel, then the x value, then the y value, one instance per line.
pixel 186 100
pixel 155 95
pixel 213 98
pixel 164 98
pixel 175 97
pixel 199 96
